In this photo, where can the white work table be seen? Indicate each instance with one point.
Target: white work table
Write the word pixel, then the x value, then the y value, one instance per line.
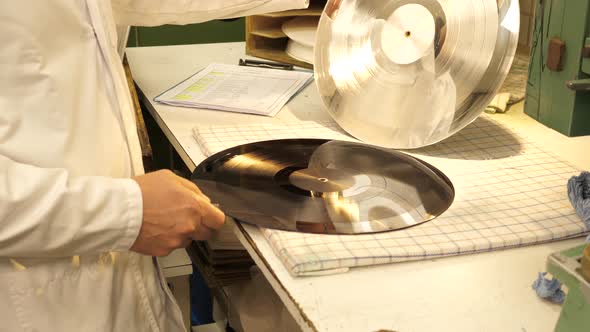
pixel 481 292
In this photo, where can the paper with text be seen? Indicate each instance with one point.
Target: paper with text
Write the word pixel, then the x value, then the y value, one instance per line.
pixel 235 88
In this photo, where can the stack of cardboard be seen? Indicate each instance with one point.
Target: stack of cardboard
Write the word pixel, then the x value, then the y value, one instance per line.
pixel 222 260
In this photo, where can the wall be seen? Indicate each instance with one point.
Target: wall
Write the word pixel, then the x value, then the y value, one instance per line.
pixel 209 32
pixel 229 31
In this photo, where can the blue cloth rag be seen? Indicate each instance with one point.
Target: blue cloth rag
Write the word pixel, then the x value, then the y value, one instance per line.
pixel 578 189
pixel 549 289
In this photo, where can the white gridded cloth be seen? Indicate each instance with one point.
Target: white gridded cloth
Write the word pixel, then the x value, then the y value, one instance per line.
pixel 213 139
pixel 509 193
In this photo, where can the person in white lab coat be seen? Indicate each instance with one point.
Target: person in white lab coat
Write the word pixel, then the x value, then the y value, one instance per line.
pixel 79 222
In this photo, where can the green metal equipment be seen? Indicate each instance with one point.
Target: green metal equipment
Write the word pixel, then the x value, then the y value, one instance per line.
pixel 558 95
pixel 572 268
pixel 558 89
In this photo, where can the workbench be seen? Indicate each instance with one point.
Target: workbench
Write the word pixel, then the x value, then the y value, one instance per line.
pixel 482 292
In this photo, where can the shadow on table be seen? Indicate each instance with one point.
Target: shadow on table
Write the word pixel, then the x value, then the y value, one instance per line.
pixel 484 139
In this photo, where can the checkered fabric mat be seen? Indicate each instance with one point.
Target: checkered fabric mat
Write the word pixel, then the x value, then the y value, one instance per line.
pixel 213 139
pixel 509 193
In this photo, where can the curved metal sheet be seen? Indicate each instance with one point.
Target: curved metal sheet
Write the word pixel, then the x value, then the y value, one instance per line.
pixel 406 74
pixel 322 186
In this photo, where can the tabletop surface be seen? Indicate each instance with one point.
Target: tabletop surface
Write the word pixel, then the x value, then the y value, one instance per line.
pixel 482 292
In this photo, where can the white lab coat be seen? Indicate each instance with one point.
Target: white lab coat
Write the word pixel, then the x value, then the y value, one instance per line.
pixel 68 145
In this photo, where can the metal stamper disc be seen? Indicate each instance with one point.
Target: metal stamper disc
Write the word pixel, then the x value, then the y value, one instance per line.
pixel 406 74
pixel 322 186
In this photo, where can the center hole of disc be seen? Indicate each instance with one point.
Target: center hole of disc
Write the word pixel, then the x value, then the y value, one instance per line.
pixel 408 34
pixel 323 180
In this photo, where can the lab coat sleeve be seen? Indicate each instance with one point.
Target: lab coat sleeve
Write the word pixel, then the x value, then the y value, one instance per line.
pixel 158 12
pixel 47 213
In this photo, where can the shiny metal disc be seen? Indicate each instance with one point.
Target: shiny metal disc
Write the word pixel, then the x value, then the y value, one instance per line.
pixel 322 186
pixel 410 73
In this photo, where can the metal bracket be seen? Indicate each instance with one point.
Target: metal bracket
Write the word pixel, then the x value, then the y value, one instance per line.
pixel 586 57
pixel 579 85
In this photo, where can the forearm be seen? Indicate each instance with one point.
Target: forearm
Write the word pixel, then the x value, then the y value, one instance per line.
pixel 45 212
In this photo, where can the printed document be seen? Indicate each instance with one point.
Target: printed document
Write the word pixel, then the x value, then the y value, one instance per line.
pixel 240 89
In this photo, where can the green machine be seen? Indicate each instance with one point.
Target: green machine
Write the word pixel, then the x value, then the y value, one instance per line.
pixel 572 268
pixel 558 95
pixel 558 89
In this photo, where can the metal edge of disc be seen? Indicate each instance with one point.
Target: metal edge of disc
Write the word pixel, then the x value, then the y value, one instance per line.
pixel 465 113
pixel 438 174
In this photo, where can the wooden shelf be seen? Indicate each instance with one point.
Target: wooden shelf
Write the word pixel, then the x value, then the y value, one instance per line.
pixel 265 38
pixel 269 33
pixel 278 56
pixel 315 10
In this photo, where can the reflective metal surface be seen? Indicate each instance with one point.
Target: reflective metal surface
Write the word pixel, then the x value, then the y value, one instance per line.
pixel 410 73
pixel 322 186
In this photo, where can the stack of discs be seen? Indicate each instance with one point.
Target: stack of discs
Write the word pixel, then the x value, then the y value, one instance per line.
pixel 410 73
pixel 220 267
pixel 302 33
pixel 222 260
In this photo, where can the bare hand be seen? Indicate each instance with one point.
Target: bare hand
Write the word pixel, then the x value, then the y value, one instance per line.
pixel 175 212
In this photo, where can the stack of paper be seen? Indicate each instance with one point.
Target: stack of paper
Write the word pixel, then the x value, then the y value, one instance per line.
pixel 240 89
